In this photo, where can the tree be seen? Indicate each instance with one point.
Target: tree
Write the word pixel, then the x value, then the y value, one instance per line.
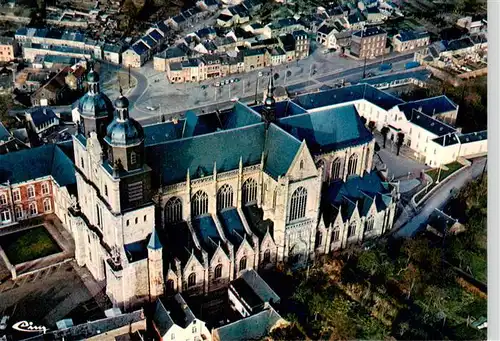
pixel 384 132
pixel 276 76
pixel 371 126
pixel 289 73
pixel 399 142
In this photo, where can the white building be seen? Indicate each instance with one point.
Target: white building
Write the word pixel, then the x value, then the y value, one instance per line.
pixel 174 320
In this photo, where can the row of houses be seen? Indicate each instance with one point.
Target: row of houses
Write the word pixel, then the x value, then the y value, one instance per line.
pixel 183 66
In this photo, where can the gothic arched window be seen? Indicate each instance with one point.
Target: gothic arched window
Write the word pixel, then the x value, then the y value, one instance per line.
pixel 353 164
pixel 319 239
pixel 336 234
pixel 218 271
pixel 267 256
pixel 170 286
pixel 173 210
pixel 335 172
pixel 224 197
pixel 243 263
pixel 298 204
pixel 199 203
pixel 249 191
pixel 191 280
pixel 351 231
pixel 369 224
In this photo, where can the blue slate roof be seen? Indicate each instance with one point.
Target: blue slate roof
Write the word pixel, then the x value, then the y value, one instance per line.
pixel 241 115
pixel 429 123
pixel 358 191
pixel 4 133
pixel 149 41
pixel 347 94
pixel 140 48
pixel 233 227
pixel 280 150
pixel 254 327
pixel 327 130
pixel 29 164
pixel 136 251
pixel 422 75
pixel 156 35
pixel 207 231
pixel 429 106
pixel 179 244
pixel 154 241
pixel 42 115
pixel 411 35
pixel 283 109
pixel 172 159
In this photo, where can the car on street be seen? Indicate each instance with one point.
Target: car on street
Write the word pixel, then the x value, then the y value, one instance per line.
pixel 203 87
pixel 217 84
pixel 236 80
pixel 260 73
pixel 151 108
pixel 235 99
pixel 231 80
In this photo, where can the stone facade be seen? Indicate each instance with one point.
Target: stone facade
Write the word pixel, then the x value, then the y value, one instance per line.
pixel 221 236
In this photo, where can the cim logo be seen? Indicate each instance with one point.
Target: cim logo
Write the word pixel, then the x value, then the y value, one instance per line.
pixel 28 327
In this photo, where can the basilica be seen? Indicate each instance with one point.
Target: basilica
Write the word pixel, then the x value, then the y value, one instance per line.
pixel 186 206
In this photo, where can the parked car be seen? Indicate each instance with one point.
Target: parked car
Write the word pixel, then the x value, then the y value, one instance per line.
pixel 203 87
pixel 3 322
pixel 236 80
pixel 151 108
pixel 235 99
pixel 217 84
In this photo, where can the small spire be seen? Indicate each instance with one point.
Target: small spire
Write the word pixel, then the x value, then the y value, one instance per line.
pixel 270 86
pixel 241 162
pixel 188 178
pixel 154 241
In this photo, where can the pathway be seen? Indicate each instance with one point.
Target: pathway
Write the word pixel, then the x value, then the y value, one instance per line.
pixel 407 228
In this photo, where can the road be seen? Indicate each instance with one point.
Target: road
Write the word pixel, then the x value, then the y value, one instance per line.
pixel 219 98
pixel 438 199
pixel 154 90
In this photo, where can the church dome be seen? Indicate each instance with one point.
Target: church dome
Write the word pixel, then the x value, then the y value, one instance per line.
pixel 95 105
pixel 123 130
pixel 92 77
pixel 124 133
pixel 121 102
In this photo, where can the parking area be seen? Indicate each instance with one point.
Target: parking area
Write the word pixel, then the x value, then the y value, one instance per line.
pixel 50 295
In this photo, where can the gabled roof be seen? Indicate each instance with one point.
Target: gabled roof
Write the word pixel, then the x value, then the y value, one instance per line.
pixel 233 226
pixel 140 48
pixel 327 130
pixel 254 327
pixel 206 229
pixel 156 35
pixel 42 115
pixel 325 29
pixel 429 123
pixel 280 150
pixel 347 94
pixel 369 32
pixel 29 164
pixel 429 106
pixel 172 159
pixel 260 287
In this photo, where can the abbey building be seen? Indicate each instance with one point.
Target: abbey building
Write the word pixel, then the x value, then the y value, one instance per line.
pixel 186 206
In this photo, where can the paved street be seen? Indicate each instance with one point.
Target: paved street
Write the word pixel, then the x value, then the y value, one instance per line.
pixel 438 199
pixel 154 90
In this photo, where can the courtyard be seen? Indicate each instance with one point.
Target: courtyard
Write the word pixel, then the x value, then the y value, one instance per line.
pixel 28 245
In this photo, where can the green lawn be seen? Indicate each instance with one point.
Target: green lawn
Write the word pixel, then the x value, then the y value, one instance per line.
pixel 433 173
pixel 28 245
pixel 452 168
